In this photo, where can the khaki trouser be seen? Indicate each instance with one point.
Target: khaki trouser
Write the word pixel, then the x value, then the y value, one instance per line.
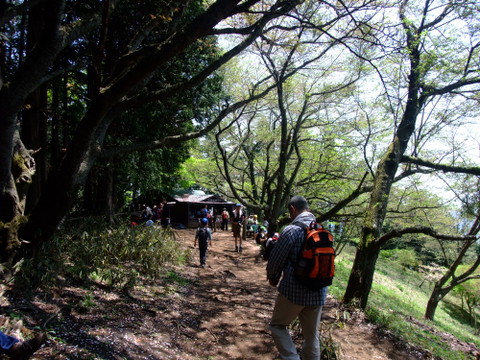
pixel 284 313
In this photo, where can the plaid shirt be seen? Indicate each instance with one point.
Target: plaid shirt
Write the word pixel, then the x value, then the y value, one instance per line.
pixel 282 258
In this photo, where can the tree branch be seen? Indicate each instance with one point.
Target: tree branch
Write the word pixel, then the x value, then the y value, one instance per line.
pixel 110 152
pixel 344 202
pixel 256 30
pixel 382 240
pixel 472 170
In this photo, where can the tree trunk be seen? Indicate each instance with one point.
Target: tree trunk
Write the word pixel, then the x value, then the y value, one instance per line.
pixel 34 136
pixel 105 188
pixel 110 194
pixel 89 193
pixel 361 276
pixel 16 164
pixel 9 217
pixel 34 116
pixel 13 201
pixel 432 304
pixel 60 190
pixel 441 289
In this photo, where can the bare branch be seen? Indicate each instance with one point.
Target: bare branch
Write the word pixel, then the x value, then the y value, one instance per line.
pixel 341 204
pixel 420 230
pixel 472 170
pixel 119 150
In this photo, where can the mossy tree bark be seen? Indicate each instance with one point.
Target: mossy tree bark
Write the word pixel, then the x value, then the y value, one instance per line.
pixel 419 90
pixel 361 277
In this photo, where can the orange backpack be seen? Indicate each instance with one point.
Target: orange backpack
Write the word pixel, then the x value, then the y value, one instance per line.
pixel 315 267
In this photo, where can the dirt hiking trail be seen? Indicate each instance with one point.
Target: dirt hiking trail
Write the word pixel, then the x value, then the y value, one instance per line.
pixel 240 302
pixel 221 313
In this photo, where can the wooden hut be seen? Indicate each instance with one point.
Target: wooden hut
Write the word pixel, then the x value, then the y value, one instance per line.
pixel 185 209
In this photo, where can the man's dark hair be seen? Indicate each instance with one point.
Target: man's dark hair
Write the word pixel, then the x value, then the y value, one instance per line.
pixel 299 203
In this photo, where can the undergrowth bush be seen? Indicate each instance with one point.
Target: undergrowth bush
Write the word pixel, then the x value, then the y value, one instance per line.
pixel 88 250
pixel 405 257
pixel 469 293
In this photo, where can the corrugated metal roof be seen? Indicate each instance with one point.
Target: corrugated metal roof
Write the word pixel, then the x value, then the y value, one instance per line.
pixel 207 199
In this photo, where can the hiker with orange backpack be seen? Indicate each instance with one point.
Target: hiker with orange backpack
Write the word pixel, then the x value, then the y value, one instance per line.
pixel 294 299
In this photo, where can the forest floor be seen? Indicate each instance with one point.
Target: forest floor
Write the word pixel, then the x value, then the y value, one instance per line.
pixel 217 312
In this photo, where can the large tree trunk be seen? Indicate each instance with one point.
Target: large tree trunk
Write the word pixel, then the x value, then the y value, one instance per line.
pixel 99 189
pixel 60 191
pixel 13 200
pixel 109 194
pixel 435 297
pixel 361 277
pixel 34 136
pixel 34 116
pixel 16 164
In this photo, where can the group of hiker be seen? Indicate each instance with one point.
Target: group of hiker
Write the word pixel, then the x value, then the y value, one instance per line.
pixel 209 218
pixel 238 219
pixel 144 214
pixel 295 298
pixel 224 218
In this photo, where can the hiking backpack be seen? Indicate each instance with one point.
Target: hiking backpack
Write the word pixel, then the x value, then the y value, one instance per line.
pixel 315 265
pixel 269 245
pixel 202 235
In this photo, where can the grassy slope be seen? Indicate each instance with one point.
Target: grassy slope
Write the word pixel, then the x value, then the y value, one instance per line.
pixel 398 303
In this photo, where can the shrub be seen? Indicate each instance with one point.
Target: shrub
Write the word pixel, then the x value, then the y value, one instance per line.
pixel 407 258
pixel 469 293
pixel 116 255
pixel 387 254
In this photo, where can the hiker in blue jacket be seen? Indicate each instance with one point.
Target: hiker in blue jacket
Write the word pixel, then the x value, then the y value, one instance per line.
pixel 293 299
pixel 204 238
pixel 20 350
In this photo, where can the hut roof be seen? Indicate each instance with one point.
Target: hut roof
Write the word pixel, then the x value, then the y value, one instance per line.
pixel 199 197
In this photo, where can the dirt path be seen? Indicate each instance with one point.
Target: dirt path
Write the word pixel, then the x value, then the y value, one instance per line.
pixel 221 313
pixel 236 295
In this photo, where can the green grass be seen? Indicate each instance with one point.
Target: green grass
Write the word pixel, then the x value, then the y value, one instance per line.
pixel 176 278
pixel 397 302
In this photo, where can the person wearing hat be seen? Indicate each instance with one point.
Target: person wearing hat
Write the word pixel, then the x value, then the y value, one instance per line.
pixel 237 221
pixel 204 238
